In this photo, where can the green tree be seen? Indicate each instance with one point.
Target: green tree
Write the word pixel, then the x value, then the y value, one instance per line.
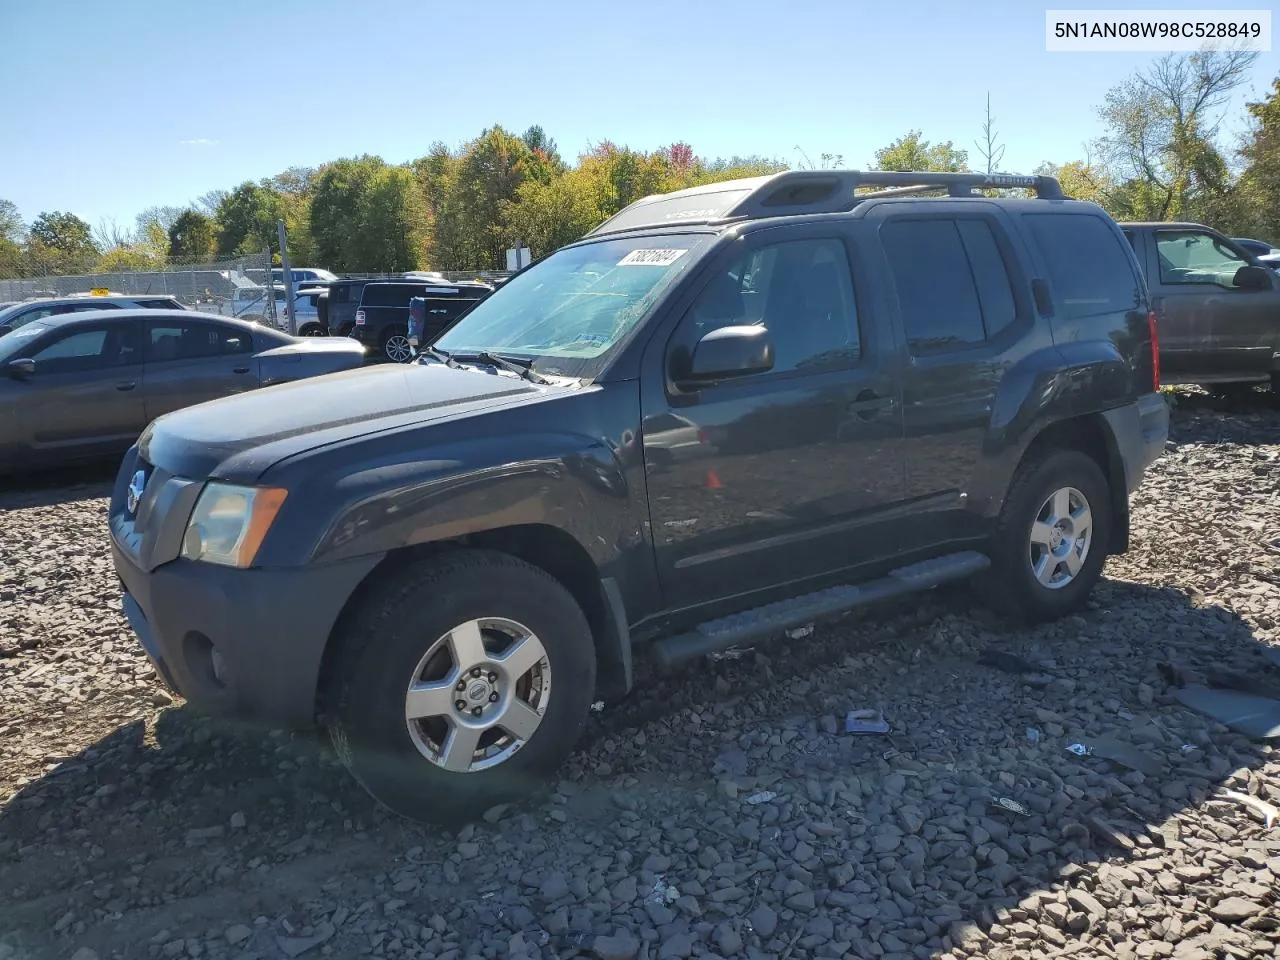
pixel 1161 128
pixel 546 216
pixel 128 257
pixel 1080 180
pixel 12 230
pixel 339 211
pixel 191 238
pixel 1260 181
pixel 61 242
pixel 484 181
pixel 246 221
pixel 393 227
pixel 913 153
pixel 11 225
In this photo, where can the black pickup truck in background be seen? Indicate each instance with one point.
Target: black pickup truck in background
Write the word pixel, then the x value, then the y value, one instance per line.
pixel 1217 307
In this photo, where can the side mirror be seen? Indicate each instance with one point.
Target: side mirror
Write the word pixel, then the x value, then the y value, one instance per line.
pixel 21 369
pixel 730 352
pixel 1250 277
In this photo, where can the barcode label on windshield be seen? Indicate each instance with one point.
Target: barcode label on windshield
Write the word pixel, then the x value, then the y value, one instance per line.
pixel 651 258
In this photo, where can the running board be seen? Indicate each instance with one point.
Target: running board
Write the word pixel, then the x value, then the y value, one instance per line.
pixel 762 623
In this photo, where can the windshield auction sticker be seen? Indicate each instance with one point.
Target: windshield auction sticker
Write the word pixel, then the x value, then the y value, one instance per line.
pixel 651 258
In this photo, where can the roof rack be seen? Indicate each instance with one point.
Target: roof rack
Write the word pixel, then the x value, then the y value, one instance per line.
pixel 794 192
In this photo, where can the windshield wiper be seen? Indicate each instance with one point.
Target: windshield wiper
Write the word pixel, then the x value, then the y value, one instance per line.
pixel 484 356
pixel 445 358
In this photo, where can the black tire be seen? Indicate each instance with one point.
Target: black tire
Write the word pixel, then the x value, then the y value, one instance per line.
pixel 385 342
pixel 313 330
pixel 396 627
pixel 1010 585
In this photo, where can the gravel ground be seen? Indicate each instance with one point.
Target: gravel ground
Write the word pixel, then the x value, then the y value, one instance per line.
pixel 131 828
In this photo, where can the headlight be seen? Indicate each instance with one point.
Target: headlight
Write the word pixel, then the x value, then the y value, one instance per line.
pixel 229 523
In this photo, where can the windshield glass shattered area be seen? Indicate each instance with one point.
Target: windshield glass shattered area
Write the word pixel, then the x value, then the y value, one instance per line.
pixel 569 312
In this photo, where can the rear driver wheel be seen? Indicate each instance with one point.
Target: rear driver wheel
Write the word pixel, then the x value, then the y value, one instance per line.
pixel 1051 538
pixel 395 347
pixel 463 684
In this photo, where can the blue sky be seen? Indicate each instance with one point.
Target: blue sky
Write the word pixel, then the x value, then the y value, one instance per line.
pixel 110 108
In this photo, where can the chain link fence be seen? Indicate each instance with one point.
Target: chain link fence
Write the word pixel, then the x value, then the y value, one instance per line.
pixel 205 286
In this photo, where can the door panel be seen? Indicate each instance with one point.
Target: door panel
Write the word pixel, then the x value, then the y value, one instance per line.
pixel 776 476
pixel 962 329
pixel 190 362
pixel 84 400
pixel 1209 328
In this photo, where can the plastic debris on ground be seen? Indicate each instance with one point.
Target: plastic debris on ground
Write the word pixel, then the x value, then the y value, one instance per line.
pixel 1118 751
pixel 662 891
pixel 598 707
pixel 732 653
pixel 799 633
pixel 764 796
pixel 865 721
pixel 1013 806
pixel 1256 717
pixel 1266 811
pixel 1033 735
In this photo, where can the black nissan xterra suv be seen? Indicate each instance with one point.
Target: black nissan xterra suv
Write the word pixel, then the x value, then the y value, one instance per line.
pixel 871 389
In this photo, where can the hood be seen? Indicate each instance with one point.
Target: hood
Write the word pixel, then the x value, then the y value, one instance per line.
pixel 239 437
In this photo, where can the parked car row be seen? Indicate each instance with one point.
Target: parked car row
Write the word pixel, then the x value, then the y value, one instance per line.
pixel 83 385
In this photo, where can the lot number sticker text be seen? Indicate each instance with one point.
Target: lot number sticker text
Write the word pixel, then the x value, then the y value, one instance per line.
pixel 651 258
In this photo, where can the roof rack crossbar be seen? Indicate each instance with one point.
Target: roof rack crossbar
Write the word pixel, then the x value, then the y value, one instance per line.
pixel 795 192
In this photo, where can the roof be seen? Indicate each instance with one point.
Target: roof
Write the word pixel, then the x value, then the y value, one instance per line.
pixel 799 192
pixel 96 316
pixel 81 298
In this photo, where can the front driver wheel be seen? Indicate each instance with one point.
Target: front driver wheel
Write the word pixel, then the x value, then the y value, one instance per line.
pixel 463 684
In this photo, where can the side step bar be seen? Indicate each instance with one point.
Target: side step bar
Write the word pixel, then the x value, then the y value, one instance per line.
pixel 762 623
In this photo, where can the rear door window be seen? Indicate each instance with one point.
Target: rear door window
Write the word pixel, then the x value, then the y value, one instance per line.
pixel 176 340
pixel 963 298
pixel 1089 268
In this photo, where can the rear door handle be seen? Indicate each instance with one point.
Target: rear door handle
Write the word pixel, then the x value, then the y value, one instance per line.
pixel 240 370
pixel 869 403
pixel 125 386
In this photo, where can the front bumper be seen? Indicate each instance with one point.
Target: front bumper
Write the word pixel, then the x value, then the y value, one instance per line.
pixel 240 643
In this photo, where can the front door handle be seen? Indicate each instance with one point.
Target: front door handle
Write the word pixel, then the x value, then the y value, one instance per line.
pixel 240 370
pixel 122 387
pixel 868 404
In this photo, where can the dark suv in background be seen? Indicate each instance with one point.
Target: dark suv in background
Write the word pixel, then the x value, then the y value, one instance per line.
pixel 381 319
pixel 725 413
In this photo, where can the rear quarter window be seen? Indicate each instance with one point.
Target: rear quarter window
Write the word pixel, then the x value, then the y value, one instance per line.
pixel 389 295
pixel 1088 266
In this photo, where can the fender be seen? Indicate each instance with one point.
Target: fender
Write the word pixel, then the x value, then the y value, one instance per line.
pixel 564 480
pixel 1047 386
